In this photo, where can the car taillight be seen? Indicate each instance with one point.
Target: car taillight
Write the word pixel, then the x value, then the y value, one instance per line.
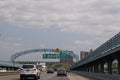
pixel 33 69
pixel 65 71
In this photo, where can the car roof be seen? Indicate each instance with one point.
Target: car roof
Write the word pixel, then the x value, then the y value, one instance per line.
pixel 28 64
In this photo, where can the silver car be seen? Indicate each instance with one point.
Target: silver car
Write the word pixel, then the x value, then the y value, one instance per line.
pixel 29 71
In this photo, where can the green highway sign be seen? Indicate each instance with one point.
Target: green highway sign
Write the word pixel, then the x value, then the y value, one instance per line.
pixel 54 56
pixel 62 55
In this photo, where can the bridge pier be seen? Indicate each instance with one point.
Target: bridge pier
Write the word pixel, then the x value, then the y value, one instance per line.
pixel 109 63
pixel 91 68
pixel 88 69
pixel 118 66
pixel 102 67
pixel 95 67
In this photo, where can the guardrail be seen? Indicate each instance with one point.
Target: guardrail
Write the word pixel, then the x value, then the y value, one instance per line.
pixel 98 76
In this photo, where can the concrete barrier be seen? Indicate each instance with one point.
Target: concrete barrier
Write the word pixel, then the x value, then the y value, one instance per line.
pixel 98 76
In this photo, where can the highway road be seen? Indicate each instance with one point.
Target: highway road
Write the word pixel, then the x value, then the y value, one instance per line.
pixel 45 76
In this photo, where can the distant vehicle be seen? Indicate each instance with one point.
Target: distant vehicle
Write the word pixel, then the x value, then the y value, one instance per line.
pixel 50 70
pixel 29 71
pixel 2 70
pixel 61 72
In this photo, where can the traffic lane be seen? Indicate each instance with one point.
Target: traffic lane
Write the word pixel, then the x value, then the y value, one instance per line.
pixel 71 76
pixel 59 78
pixel 53 77
pixel 44 76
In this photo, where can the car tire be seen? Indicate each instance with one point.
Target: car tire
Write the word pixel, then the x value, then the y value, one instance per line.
pixel 21 78
pixel 39 77
pixel 36 78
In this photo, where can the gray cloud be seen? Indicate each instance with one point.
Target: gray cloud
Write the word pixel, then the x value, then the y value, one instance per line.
pixel 75 15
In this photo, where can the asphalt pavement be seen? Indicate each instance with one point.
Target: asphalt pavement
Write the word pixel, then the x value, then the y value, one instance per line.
pixel 45 76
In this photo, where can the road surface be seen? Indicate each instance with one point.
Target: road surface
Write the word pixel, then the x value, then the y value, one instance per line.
pixel 45 76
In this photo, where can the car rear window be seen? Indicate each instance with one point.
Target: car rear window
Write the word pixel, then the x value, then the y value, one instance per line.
pixel 61 70
pixel 28 66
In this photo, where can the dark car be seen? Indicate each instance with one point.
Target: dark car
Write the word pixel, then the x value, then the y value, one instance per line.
pixel 61 72
pixel 50 70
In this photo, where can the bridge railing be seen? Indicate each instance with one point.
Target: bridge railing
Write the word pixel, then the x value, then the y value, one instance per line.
pixel 9 64
pixel 111 44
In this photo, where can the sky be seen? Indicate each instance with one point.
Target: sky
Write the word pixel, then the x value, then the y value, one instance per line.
pixel 75 25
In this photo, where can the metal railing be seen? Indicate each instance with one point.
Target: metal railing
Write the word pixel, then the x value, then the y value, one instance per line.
pixel 103 50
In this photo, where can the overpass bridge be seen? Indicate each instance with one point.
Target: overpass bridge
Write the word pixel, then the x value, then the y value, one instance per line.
pixel 9 66
pixel 101 59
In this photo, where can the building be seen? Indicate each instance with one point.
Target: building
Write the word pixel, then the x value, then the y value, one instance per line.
pixel 83 54
pixel 68 60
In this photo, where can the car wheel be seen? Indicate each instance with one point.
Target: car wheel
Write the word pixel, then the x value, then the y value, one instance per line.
pixel 36 78
pixel 39 77
pixel 21 78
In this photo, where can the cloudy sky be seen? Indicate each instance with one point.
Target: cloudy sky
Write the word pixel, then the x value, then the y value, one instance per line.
pixel 77 25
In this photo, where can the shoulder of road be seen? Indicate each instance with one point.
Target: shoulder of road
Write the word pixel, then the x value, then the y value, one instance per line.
pixel 8 74
pixel 73 76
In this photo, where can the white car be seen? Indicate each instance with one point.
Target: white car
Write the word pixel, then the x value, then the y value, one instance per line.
pixel 2 70
pixel 29 71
